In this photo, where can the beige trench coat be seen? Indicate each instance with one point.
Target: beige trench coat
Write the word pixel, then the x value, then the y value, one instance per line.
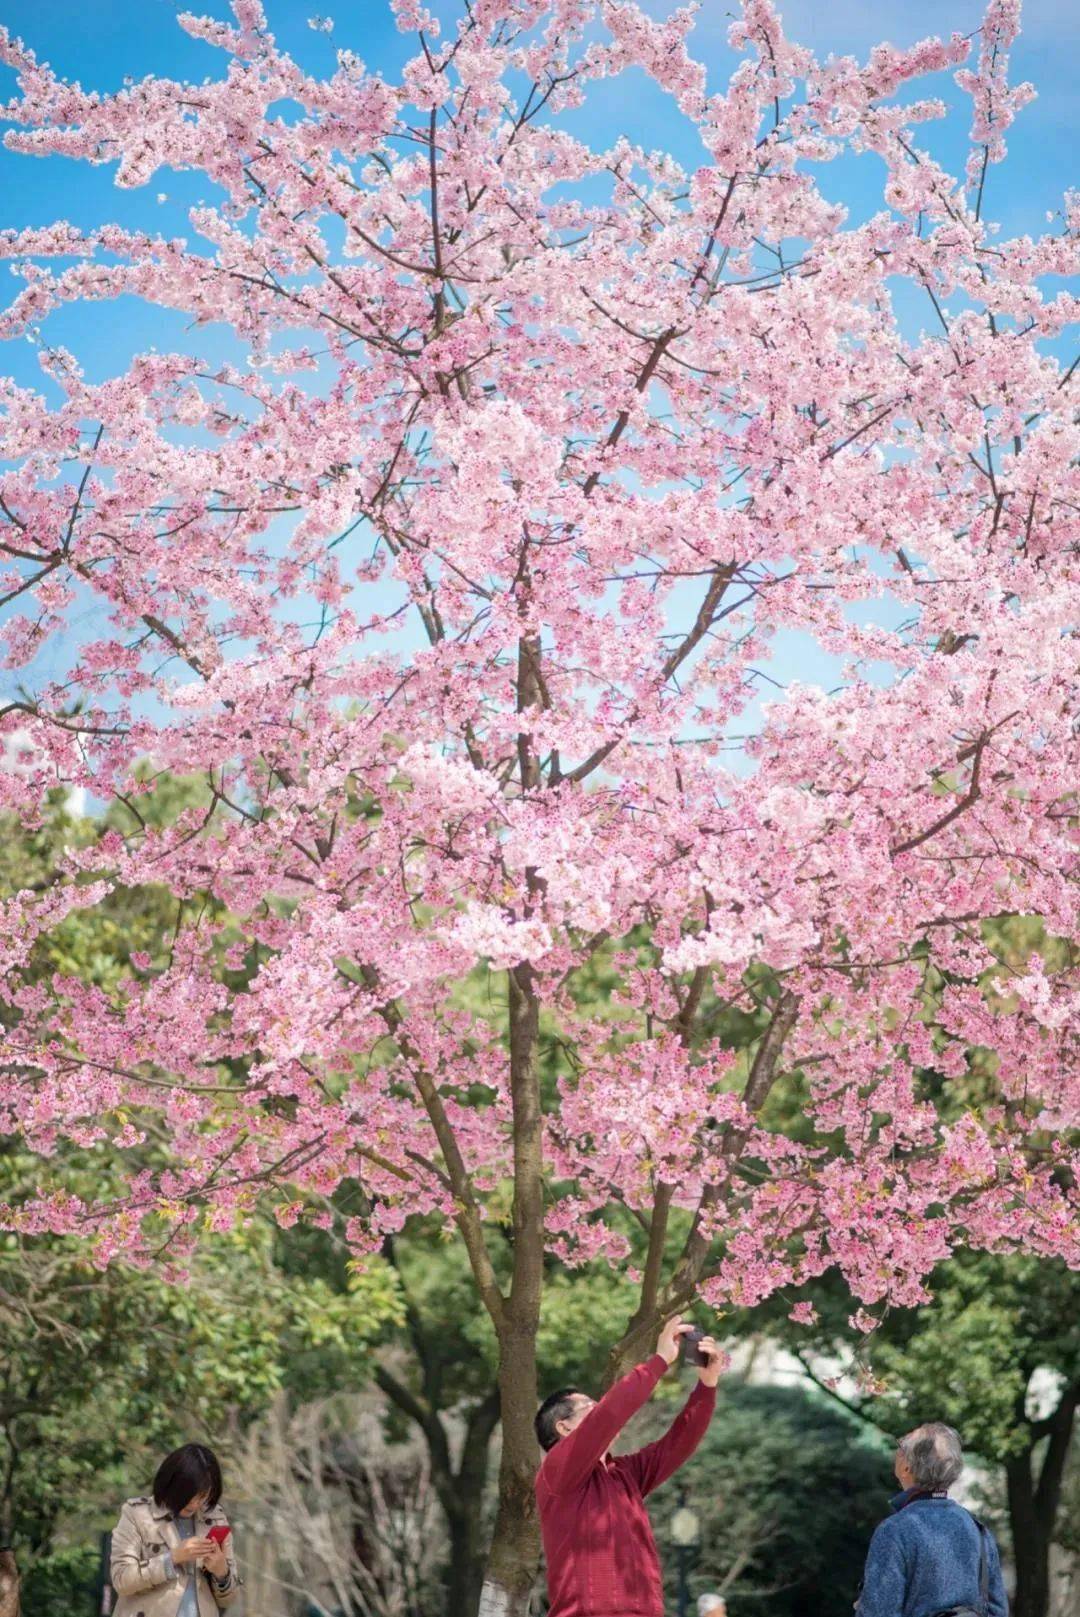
pixel 141 1540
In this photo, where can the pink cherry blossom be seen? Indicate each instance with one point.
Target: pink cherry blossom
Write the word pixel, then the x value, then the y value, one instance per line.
pixel 460 598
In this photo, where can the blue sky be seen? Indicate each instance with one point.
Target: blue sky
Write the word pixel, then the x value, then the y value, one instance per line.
pixel 121 39
pixel 133 38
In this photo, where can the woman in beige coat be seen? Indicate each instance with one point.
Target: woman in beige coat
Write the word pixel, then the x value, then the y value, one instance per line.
pixel 164 1561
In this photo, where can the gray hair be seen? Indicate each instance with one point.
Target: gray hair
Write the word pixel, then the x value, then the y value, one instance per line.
pixel 708 1603
pixel 933 1454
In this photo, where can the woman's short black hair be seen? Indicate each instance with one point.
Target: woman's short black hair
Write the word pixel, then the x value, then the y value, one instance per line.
pixel 185 1474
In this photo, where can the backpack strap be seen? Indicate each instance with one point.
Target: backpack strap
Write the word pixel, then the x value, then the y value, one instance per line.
pixel 984 1568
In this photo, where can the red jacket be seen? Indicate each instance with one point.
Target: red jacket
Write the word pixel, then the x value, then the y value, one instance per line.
pixel 600 1551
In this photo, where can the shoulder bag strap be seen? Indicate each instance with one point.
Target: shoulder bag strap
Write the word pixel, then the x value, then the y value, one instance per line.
pixel 984 1568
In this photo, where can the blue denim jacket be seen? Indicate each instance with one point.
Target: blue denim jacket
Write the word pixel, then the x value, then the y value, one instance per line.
pixel 925 1558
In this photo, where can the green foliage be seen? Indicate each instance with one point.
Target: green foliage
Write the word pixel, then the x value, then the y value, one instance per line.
pixel 447 1332
pixel 969 1356
pixel 581 1315
pixel 67 1581
pixel 447 1321
pixel 106 1371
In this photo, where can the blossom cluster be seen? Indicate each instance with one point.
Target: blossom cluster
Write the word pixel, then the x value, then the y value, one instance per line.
pixel 458 600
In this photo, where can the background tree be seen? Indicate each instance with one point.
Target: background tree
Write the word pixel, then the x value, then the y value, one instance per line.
pixel 439 1374
pixel 998 1352
pixel 105 1373
pixel 105 1370
pixel 997 1355
pixel 598 429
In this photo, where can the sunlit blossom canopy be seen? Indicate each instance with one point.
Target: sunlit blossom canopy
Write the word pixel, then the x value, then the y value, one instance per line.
pixel 456 598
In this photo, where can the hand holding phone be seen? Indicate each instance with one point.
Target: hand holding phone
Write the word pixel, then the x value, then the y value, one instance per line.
pixel 689 1350
pixel 191 1549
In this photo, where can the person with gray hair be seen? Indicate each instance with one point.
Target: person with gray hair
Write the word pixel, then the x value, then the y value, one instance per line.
pixel 711 1605
pixel 931 1557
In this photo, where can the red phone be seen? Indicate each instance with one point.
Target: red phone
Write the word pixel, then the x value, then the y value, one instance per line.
pixel 218 1534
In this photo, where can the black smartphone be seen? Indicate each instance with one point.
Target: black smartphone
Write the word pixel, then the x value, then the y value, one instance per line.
pixel 689 1351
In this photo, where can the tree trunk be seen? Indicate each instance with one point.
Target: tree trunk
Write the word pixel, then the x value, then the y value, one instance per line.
pixel 514 1557
pixel 515 1550
pixel 498 1601
pixel 465 1513
pixel 460 1491
pixel 9 1585
pixel 1033 1506
pixel 465 1570
pixel 515 1546
pixel 1031 1548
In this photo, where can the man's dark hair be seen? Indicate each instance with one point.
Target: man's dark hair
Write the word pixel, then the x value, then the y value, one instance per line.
pixel 556 1407
pixel 186 1473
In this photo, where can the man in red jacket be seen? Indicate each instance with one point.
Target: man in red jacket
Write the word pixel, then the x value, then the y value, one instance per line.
pixel 600 1551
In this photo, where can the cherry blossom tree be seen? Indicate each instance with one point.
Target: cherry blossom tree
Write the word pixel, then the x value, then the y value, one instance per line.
pixel 606 432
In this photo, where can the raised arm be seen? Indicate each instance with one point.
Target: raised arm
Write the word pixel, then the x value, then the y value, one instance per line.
pixel 568 1464
pixel 653 1464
